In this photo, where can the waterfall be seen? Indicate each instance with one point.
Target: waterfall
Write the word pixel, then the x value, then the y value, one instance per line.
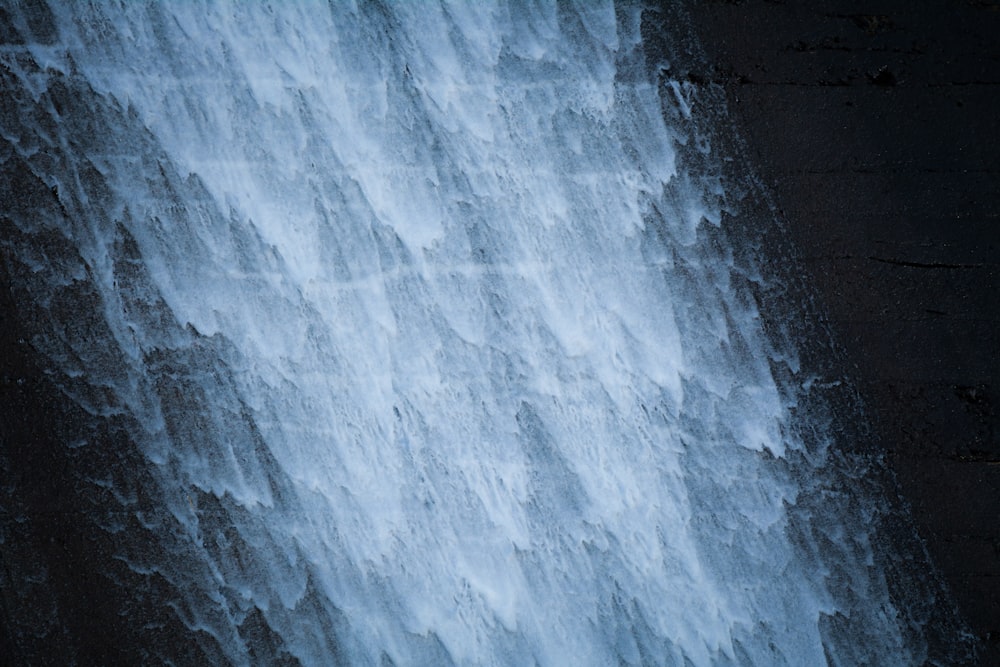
pixel 426 342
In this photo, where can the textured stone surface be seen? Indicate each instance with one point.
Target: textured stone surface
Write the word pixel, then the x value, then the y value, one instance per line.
pixel 875 128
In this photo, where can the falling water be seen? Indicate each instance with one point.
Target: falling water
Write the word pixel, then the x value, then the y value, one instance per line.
pixel 432 348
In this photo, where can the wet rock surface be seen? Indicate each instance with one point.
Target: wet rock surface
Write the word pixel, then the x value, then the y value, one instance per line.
pixel 873 125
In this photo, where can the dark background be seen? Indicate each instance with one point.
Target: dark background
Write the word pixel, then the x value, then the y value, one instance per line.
pixel 874 126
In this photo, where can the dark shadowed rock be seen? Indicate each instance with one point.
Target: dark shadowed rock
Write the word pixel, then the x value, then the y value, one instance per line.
pixel 874 127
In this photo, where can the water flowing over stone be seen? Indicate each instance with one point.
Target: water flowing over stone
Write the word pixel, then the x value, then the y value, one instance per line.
pixel 428 339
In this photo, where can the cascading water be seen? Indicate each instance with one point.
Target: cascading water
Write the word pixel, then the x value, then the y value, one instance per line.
pixel 428 341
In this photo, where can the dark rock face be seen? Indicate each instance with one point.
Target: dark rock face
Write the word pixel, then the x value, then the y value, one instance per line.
pixel 874 126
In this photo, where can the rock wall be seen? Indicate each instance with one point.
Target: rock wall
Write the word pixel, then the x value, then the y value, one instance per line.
pixel 874 125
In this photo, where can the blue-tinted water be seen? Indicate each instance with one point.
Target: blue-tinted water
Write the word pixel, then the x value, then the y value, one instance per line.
pixel 432 342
